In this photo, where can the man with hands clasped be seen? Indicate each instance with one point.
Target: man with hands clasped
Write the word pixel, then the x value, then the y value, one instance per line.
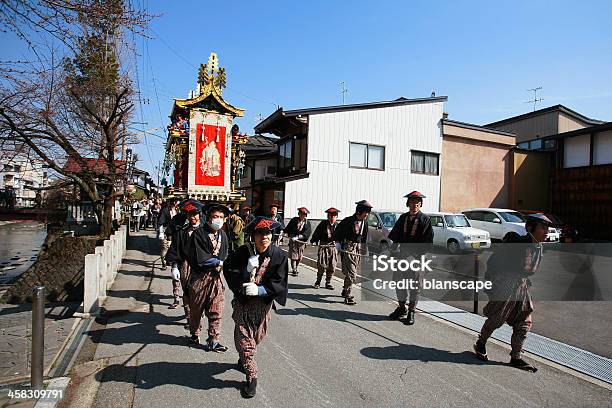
pixel 208 250
pixel 257 275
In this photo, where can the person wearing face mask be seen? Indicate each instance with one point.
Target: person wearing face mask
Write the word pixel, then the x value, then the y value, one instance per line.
pixel 180 228
pixel 510 300
pixel 298 229
pixel 327 256
pixel 208 249
pixel 257 275
pixel 351 237
pixel 414 233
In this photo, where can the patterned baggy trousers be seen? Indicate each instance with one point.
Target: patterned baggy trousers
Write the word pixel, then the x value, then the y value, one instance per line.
pixel 327 258
pixel 252 318
pixel 206 296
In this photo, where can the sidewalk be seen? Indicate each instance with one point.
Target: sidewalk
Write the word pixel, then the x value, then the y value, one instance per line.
pixel 318 352
pixel 16 335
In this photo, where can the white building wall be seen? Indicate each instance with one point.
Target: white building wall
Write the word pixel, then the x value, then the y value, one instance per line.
pixel 602 149
pixel 576 151
pixel 261 168
pixel 332 183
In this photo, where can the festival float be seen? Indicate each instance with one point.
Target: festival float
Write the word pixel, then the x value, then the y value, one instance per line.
pixel 203 158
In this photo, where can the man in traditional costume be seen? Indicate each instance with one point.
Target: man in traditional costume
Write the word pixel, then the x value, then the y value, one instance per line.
pixel 351 237
pixel 208 250
pixel 234 228
pixel 278 232
pixel 181 227
pixel 414 234
pixel 510 301
pixel 327 256
pixel 257 275
pixel 298 230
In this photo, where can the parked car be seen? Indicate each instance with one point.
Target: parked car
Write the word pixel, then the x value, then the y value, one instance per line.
pixel 566 232
pixel 499 222
pixel 380 224
pixel 454 232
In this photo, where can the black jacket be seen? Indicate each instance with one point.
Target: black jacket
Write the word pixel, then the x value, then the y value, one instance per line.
pixel 181 242
pixel 164 217
pixel 274 280
pixel 421 240
pixel 320 233
pixel 513 259
pixel 201 248
pixel 345 231
pixel 292 229
pixel 423 233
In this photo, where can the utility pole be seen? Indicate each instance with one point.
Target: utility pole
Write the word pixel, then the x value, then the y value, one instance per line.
pixel 535 99
pixel 343 91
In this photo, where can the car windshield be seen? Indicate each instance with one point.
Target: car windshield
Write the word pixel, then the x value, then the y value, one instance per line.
pixel 389 218
pixel 456 221
pixel 512 216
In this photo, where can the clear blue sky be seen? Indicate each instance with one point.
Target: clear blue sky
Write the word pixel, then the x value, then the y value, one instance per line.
pixel 483 55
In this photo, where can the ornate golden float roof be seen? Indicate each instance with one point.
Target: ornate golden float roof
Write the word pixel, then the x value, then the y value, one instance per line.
pixel 211 82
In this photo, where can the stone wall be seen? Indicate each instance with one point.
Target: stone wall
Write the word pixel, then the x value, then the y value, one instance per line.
pixel 59 268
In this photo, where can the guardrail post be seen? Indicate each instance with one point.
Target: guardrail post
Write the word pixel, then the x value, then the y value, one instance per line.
pixel 38 337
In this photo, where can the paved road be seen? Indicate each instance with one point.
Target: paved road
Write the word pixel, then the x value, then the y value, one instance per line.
pixel 560 313
pixel 319 352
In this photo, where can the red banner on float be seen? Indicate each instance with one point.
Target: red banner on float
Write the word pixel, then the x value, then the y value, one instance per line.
pixel 210 155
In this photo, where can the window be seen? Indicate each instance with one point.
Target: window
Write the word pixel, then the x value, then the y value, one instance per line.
pixel 366 156
pixel 301 148
pixel 424 163
pixel 455 221
pixel 489 217
pixel 512 216
pixel 270 170
pixel 389 219
pixel 279 196
pixel 475 215
pixel 435 220
pixel 535 144
pixel 285 153
pixel 372 220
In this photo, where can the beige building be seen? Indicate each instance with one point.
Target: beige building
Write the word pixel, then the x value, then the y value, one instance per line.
pixel 543 122
pixel 22 171
pixel 476 166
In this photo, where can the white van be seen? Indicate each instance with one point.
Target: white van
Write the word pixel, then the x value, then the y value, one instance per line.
pixel 454 232
pixel 498 222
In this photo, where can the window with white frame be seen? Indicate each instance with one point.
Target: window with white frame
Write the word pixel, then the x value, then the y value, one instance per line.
pixel 424 163
pixel 366 156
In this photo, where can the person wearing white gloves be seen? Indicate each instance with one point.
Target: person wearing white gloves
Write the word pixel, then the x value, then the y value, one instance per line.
pixel 298 229
pixel 257 275
pixel 179 229
pixel 208 249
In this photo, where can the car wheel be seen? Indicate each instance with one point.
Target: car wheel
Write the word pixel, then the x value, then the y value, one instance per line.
pixel 384 247
pixel 453 247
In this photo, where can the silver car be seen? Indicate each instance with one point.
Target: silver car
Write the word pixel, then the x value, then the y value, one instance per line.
pixel 380 224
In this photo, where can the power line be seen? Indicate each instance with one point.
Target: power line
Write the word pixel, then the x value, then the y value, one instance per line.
pixel 185 60
pixel 140 104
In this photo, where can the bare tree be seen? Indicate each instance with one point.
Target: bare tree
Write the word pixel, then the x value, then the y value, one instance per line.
pixel 71 103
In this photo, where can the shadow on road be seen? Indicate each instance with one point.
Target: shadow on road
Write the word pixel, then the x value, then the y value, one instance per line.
pixel 425 354
pixel 199 376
